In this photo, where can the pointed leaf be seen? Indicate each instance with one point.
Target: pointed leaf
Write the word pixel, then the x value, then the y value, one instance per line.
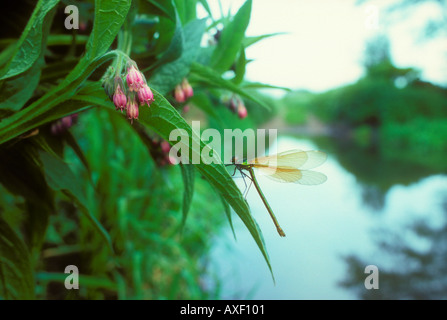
pixel 240 67
pixel 16 274
pixel 162 8
pixel 175 48
pixel 164 118
pixel 60 177
pixel 24 177
pixel 230 40
pixel 109 17
pixel 188 175
pixel 248 41
pixel 17 90
pixel 169 75
pixel 29 46
pixel 211 78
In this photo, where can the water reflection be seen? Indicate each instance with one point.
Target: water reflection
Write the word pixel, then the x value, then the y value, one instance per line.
pixel 332 233
pixel 373 197
pixel 381 169
pixel 413 262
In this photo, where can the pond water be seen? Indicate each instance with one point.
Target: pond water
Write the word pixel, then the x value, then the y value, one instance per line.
pixel 326 223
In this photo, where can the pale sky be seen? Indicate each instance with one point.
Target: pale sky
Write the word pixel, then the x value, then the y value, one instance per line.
pixel 323 47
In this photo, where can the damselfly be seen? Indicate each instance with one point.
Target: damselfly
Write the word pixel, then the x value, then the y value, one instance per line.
pixel 289 166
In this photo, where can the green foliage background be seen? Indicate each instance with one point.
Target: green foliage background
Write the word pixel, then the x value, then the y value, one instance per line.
pixel 390 111
pixel 96 195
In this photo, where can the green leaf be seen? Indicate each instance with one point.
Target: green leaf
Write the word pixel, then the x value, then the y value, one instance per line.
pixel 202 101
pixel 227 210
pixel 29 46
pixel 186 9
pixel 24 177
pixel 259 85
pixel 86 280
pixel 51 106
pixel 230 40
pixel 109 17
pixel 164 118
pixel 240 67
pixel 71 141
pixel 44 109
pixel 169 75
pixel 163 8
pixel 188 175
pixel 206 6
pixel 209 77
pixel 164 39
pixel 17 90
pixel 16 274
pixel 60 177
pixel 176 45
pixel 248 41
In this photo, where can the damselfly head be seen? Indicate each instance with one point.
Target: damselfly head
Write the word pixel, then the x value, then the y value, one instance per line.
pixel 236 160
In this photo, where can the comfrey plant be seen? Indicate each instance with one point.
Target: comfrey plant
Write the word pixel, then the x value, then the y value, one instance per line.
pixel 129 94
pixel 102 193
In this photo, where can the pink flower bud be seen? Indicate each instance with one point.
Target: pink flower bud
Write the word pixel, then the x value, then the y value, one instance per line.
pixel 57 127
pixel 134 78
pixel 233 104
pixel 241 110
pixel 165 146
pixel 172 160
pixel 145 95
pixel 186 108
pixel 67 122
pixel 179 95
pixel 187 89
pixel 132 110
pixel 74 117
pixel 119 98
pixel 63 124
pixel 82 25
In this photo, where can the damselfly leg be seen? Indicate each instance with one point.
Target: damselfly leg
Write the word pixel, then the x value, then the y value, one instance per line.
pixel 243 176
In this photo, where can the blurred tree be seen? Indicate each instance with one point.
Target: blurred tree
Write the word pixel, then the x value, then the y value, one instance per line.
pixel 378 64
pixel 400 9
pixel 377 51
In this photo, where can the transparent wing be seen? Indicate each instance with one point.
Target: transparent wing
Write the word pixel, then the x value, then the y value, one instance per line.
pixel 311 178
pixel 303 177
pixel 298 159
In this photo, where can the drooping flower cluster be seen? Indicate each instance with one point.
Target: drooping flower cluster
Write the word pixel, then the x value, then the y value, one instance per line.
pixel 160 152
pixel 63 124
pixel 236 105
pixel 183 91
pixel 128 98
